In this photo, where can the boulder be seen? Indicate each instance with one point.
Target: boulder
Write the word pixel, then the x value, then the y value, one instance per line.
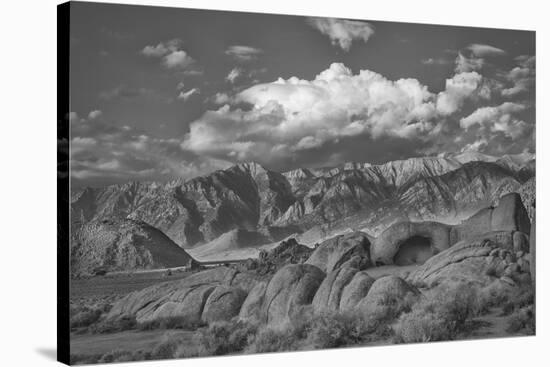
pixel 291 288
pixel 187 302
pixel 388 290
pixel 252 305
pixel 410 242
pixel 329 294
pixel 223 304
pixel 334 252
pixel 356 290
pixel 184 297
pixel 475 261
pixel 509 215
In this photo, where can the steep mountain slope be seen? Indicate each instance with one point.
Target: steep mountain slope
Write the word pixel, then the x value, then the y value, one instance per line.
pixel 116 245
pixel 358 195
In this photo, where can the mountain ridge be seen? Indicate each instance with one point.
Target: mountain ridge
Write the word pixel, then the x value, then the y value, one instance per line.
pixel 250 197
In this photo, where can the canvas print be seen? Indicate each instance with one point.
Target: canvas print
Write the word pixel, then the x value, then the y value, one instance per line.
pixel 248 183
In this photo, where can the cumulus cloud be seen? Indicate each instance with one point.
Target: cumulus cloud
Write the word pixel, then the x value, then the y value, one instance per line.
pixel 221 98
pixel 342 32
pixel 338 112
pixel 243 53
pixel 103 153
pixel 294 114
pixel 188 94
pixel 497 119
pixel 234 74
pixel 95 114
pixel 522 77
pixel 171 54
pixel 458 89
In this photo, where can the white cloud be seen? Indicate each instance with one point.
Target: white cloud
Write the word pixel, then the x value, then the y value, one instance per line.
pixel 294 114
pixel 171 53
pixel 94 114
pixel 342 32
pixel 243 53
pixel 186 95
pixel 162 49
pixel 234 74
pixel 177 60
pixel 221 98
pixel 481 50
pixel 497 119
pixel 458 89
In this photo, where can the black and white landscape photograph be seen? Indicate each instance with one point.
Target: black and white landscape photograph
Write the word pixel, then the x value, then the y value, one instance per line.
pixel 253 183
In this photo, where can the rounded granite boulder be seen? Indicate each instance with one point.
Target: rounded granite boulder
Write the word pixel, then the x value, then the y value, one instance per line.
pixel 334 252
pixel 223 304
pixel 290 289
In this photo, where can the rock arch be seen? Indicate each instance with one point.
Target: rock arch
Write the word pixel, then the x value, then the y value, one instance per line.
pixel 410 242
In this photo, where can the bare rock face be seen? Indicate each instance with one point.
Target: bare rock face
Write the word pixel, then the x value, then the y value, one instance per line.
pixel 508 215
pixel 223 304
pixel 355 290
pixel 124 244
pixel 186 297
pixel 329 294
pixel 333 253
pixel 291 288
pixel 386 290
pixel 478 260
pixel 410 242
pixel 252 306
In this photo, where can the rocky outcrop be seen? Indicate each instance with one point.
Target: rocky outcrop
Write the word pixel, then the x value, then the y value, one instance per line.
pixel 414 242
pixel 123 245
pixel 409 242
pixel 384 291
pixel 333 253
pixel 251 308
pixel 356 290
pixel 223 304
pixel 329 294
pixel 478 260
pixel 508 215
pixel 290 289
pixel 186 297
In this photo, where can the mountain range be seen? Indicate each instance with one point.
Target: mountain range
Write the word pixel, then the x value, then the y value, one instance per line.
pixel 249 205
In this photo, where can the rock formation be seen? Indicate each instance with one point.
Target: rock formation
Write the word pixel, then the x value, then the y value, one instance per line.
pixel 334 252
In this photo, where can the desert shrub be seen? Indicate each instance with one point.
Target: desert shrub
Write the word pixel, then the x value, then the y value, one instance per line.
pixel 116 356
pixel 332 330
pixel 226 337
pixel 418 326
pixel 114 325
pixel 270 339
pixel 522 320
pixel 85 317
pixel 173 322
pixel 168 346
pixel 508 298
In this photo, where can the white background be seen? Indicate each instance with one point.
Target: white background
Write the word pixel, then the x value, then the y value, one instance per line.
pixel 28 181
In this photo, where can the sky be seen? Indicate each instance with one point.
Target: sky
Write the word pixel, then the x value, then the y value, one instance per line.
pixel 161 93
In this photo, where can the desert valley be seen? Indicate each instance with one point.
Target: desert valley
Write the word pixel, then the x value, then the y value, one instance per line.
pixel 422 249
